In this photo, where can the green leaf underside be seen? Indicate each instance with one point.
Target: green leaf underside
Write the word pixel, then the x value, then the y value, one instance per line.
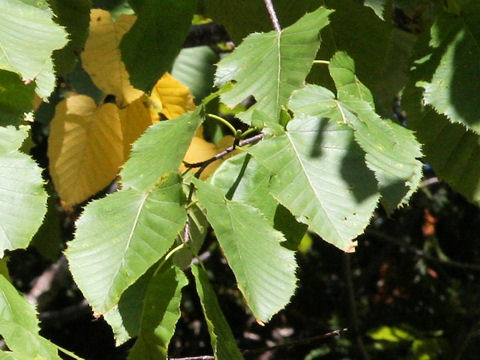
pixel 456 50
pixel 15 98
pixel 19 326
pixel 263 268
pixel 160 313
pixel 319 174
pixel 27 43
pixel 243 179
pixel 159 150
pixel 390 149
pixel 119 237
pixel 194 67
pixel 271 65
pixel 155 39
pixel 221 337
pixel 22 197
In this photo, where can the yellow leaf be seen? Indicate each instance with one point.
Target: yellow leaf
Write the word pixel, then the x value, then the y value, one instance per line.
pixel 101 57
pixel 136 118
pixel 85 147
pixel 198 151
pixel 171 97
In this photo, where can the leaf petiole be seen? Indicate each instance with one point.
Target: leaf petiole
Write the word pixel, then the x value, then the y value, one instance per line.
pixel 224 122
pixel 326 62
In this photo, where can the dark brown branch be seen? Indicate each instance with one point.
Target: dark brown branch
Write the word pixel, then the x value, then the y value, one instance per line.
pixel 65 315
pixel 204 164
pixel 421 253
pixel 273 15
pixel 294 343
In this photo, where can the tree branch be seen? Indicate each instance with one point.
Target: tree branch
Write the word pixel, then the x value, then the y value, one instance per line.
pixel 273 15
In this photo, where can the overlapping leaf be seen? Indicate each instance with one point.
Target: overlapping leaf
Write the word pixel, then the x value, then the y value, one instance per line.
pixel 16 98
pixel 391 150
pixel 264 269
pixel 171 97
pixel 319 174
pixel 118 238
pixel 19 326
pixel 27 43
pixel 160 313
pixel 22 197
pixel 155 39
pixel 221 337
pixel 271 65
pixel 102 59
pixel 160 150
pixel 456 44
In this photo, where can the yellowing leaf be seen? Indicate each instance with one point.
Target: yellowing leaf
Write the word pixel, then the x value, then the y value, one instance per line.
pixel 101 57
pixel 136 118
pixel 171 97
pixel 85 147
pixel 200 150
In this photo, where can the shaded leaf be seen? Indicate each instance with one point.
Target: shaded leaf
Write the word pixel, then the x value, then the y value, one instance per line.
pixel 160 150
pixel 74 15
pixel 171 97
pixel 22 197
pixel 221 337
pixel 319 174
pixel 15 98
pixel 119 237
pixel 456 44
pixel 84 147
pixel 151 45
pixel 271 65
pixel 102 59
pixel 160 313
pixel 378 6
pixel 263 268
pixel 195 68
pixel 28 42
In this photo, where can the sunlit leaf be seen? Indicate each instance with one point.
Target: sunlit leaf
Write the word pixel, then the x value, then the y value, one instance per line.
pixel 85 147
pixel 271 65
pixel 22 197
pixel 221 337
pixel 102 59
pixel 155 39
pixel 26 44
pixel 160 150
pixel 119 237
pixel 171 97
pixel 263 268
pixel 319 174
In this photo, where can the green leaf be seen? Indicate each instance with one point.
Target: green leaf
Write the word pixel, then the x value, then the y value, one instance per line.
pixel 160 313
pixel 243 179
pixel 156 38
pixel 119 237
pixel 159 150
pixel 391 150
pixel 456 46
pixel 264 269
pixel 378 6
pixel 221 337
pixel 19 326
pixel 28 42
pixel 381 51
pixel 247 16
pixel 194 67
pixel 22 197
pixel 451 149
pixel 271 65
pixel 319 174
pixel 74 15
pixel 15 98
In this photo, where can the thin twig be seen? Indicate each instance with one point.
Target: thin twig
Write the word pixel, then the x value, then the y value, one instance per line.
pixel 203 164
pixel 467 340
pixel 273 15
pixel 295 342
pixel 353 307
pixel 379 235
